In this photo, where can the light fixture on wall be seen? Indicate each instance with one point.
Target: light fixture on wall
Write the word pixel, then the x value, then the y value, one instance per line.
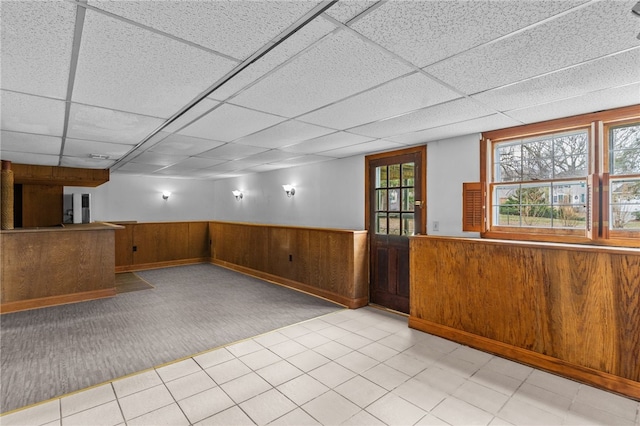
pixel 636 11
pixel 238 194
pixel 289 189
pixel 166 195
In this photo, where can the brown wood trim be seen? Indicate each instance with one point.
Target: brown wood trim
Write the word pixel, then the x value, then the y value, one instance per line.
pixel 333 297
pixel 265 225
pixel 582 374
pixel 156 265
pixel 23 305
pixel 63 176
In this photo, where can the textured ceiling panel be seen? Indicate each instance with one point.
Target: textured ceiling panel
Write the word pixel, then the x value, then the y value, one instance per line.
pixel 493 122
pixel 194 112
pixel 229 122
pixel 232 151
pixel 308 35
pixel 595 101
pixel 35 159
pixel 300 161
pixel 270 156
pixel 37 37
pixel 81 148
pixel 450 112
pixel 287 133
pixel 105 125
pixel 344 11
pixel 194 163
pixel 617 70
pixel 364 148
pixel 325 143
pixel 158 159
pixel 396 97
pixel 343 59
pixel 138 168
pixel 184 145
pixel 31 114
pixel 558 43
pixel 86 163
pixel 235 28
pixel 124 67
pixel 25 142
pixel 261 168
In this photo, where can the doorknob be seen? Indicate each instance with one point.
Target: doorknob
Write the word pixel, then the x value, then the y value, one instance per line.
pixel 418 203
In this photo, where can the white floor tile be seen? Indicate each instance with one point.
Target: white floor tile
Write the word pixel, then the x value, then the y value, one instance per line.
pixel 103 415
pixel 509 368
pixel 244 348
pixel 316 324
pixel 171 415
pixel 354 324
pixel 582 414
pixel 143 402
pixel 354 341
pixel 373 333
pixel 295 331
pixel 519 412
pixel 267 407
pixel 302 389
pixel 363 419
pixel 87 399
pixel 399 343
pixel 136 383
pixel 334 332
pixel 496 381
pixel 385 376
pixel 209 359
pixel 378 352
pixel 278 373
pixel 420 394
pixel 190 385
pixel 270 339
pixel 392 409
pixel 245 387
pixel 407 364
pixel 458 366
pixel 431 420
pixel 312 340
pixel 308 360
pixel 37 415
pixel 231 416
pixel 178 369
pixel 457 412
pixel 482 397
pixel 360 391
pixel 332 374
pixel 332 350
pixel 297 417
pixel 287 349
pixel 544 399
pixel 607 401
pixel 357 362
pixel 556 384
pixel 471 355
pixel 331 408
pixel 259 359
pixel 222 373
pixel 205 404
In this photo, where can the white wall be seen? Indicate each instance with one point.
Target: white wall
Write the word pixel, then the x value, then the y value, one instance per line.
pixel 450 162
pixel 139 198
pixel 328 195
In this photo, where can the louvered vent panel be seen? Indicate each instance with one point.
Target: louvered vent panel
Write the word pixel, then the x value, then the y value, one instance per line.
pixel 472 200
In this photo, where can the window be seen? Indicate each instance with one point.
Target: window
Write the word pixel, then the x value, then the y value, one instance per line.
pixel 568 180
pixel 395 198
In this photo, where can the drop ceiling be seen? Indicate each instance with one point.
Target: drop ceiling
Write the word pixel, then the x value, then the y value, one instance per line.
pixel 212 89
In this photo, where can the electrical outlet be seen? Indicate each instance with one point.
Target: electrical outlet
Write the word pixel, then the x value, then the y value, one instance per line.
pixel 436 226
pixel 290 258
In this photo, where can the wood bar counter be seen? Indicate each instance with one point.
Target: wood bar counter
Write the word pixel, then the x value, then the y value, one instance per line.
pixel 56 265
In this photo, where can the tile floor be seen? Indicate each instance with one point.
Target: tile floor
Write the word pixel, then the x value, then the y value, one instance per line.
pixel 352 367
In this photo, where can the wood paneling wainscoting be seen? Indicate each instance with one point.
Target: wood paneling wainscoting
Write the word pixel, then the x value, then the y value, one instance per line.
pixel 569 309
pixel 330 263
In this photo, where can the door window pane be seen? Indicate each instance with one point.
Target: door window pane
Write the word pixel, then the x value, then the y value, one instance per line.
pixel 394 200
pixel 408 171
pixel 381 177
pixel 394 224
pixel 394 175
pixel 408 224
pixel 408 199
pixel 381 200
pixel 381 223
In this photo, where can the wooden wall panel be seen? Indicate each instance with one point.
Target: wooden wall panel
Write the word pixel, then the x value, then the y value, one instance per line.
pixel 124 245
pixel 578 307
pixel 41 205
pixel 198 240
pixel 160 242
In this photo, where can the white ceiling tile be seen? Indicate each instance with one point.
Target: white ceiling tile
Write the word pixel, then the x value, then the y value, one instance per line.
pixel 232 151
pixel 261 168
pixel 611 71
pixel 26 142
pixel 31 114
pixel 105 125
pixel 231 166
pixel 300 40
pixel 438 115
pixel 271 156
pixel 571 39
pixel 344 11
pixel 86 163
pixel 364 148
pixel 230 122
pixel 300 161
pixel 194 163
pixel 282 134
pixel 130 69
pixel 338 66
pixel 138 168
pixel 82 148
pixel 184 145
pixel 37 37
pixel 590 102
pixel 425 32
pixel 235 28
pixel 194 112
pixel 396 97
pixel 26 158
pixel 483 124
pixel 158 159
pixel 327 142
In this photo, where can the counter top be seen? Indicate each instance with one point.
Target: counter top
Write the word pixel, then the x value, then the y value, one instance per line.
pixel 95 226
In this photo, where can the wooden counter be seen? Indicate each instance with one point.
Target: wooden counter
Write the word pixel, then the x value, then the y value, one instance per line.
pixel 570 309
pixel 56 265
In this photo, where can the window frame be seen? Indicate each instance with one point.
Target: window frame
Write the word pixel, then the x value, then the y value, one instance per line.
pixel 596 230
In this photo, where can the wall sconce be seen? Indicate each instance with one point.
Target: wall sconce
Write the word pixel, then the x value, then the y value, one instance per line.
pixel 165 195
pixel 238 194
pixel 290 190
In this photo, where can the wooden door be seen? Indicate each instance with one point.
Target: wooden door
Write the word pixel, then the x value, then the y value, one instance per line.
pixel 395 210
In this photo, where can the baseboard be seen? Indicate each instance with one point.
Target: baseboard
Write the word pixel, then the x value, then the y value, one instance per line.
pixel 610 382
pixel 156 265
pixel 23 305
pixel 333 297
